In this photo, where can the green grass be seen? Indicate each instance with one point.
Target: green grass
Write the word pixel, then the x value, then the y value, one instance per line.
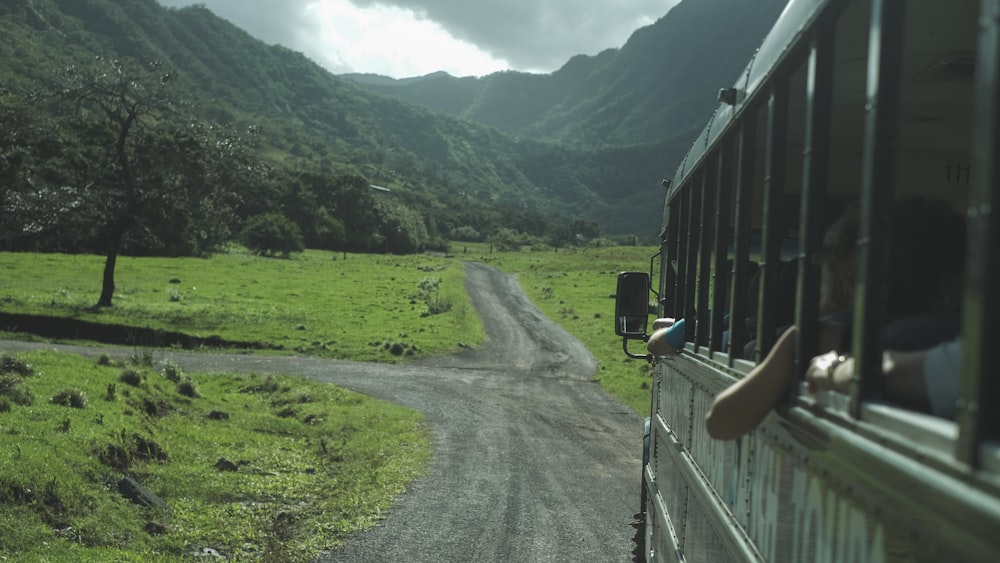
pixel 310 462
pixel 318 303
pixel 358 307
pixel 314 461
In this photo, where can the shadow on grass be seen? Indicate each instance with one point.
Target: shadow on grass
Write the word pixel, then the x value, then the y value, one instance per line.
pixel 75 329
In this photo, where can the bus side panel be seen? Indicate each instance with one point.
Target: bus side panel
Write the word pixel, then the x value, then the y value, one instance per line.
pixel 799 515
pixel 667 490
pixel 718 460
pixel 680 486
pixel 670 484
pixel 743 500
pixel 765 482
pixel 662 543
pixel 683 526
pixel 675 402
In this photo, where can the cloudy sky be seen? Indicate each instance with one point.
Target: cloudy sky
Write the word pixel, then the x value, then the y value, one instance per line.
pixel 402 38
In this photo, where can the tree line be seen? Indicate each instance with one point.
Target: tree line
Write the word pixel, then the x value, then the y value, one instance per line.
pixel 109 159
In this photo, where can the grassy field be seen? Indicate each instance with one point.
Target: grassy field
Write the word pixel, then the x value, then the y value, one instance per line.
pixel 360 307
pixel 70 424
pixel 255 468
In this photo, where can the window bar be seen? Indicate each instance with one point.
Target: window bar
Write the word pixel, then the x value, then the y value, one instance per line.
pixel 669 243
pixel 680 288
pixel 691 269
pixel 721 273
pixel 774 188
pixel 746 150
pixel 707 187
pixel 885 55
pixel 979 411
pixel 816 157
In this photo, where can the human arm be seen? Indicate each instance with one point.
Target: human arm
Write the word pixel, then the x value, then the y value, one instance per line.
pixel 925 380
pixel 743 405
pixel 906 379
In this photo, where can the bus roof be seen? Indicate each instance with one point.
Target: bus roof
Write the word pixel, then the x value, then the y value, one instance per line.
pixel 939 57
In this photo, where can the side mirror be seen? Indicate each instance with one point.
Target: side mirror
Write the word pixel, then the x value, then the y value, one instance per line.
pixel 632 305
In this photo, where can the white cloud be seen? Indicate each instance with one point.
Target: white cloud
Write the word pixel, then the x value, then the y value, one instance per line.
pixel 538 34
pixel 402 38
pixel 388 40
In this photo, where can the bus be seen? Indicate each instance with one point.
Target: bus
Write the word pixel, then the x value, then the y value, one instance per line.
pixel 844 102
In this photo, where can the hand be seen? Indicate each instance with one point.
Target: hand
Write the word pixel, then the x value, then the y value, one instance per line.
pixel 830 371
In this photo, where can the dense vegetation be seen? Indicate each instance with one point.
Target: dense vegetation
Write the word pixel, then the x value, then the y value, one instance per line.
pixel 316 142
pixel 594 138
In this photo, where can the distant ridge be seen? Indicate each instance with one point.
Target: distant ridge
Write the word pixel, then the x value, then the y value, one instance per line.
pixel 591 140
pixel 659 85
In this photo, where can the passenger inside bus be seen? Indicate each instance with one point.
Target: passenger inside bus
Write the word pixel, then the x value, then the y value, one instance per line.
pixel 925 269
pixel 783 309
pixel 926 241
pixel 839 264
pixel 668 333
pixel 923 380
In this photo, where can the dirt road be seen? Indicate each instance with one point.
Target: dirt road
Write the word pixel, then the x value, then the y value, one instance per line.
pixel 532 461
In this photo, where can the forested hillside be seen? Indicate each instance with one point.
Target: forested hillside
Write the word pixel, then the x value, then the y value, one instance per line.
pixel 308 143
pixel 660 86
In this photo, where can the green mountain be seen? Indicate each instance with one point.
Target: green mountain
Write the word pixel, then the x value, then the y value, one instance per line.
pixel 511 150
pixel 659 87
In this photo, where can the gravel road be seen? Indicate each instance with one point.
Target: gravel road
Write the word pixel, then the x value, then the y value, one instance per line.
pixel 532 460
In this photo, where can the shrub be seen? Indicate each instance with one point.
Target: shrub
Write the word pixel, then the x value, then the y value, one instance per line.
pixel 11 364
pixel 131 377
pixel 171 371
pixel 14 389
pixel 272 233
pixel 437 307
pixel 466 233
pixel 269 385
pixel 509 240
pixel 187 388
pixel 430 293
pixel 143 357
pixel 71 398
pixel 327 232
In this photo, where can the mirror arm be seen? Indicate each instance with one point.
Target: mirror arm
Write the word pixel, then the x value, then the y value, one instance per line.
pixel 647 357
